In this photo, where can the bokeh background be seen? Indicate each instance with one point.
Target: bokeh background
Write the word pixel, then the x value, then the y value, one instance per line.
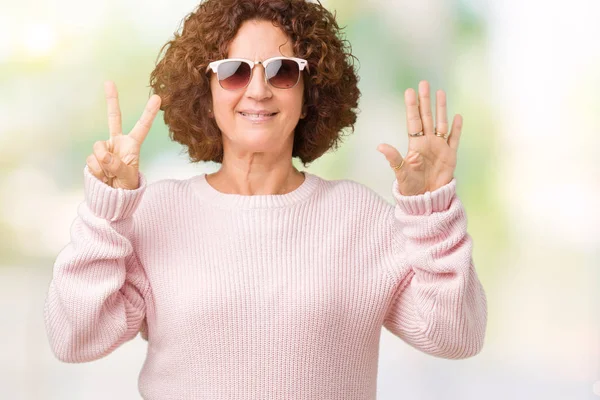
pixel 524 75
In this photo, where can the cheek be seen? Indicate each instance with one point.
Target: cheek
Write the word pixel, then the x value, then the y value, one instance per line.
pixel 223 105
pixel 300 98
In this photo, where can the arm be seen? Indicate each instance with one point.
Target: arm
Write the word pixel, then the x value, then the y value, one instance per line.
pixel 439 306
pixel 95 301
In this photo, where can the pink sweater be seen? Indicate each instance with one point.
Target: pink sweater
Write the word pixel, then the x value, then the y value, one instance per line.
pixel 266 296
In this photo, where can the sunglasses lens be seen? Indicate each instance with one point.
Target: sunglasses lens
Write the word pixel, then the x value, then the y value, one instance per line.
pixel 233 75
pixel 283 74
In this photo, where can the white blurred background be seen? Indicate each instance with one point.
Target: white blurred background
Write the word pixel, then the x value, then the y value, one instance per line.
pixel 525 77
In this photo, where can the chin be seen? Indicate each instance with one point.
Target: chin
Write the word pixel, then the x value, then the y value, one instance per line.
pixel 259 143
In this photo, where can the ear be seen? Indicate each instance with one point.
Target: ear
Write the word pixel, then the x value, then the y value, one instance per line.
pixel 304 112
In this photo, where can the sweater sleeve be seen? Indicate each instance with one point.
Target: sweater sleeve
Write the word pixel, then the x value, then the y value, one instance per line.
pixel 95 301
pixel 439 305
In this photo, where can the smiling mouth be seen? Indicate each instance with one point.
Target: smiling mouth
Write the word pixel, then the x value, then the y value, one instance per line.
pixel 257 117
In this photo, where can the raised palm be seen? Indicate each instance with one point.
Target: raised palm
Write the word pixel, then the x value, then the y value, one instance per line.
pixel 430 160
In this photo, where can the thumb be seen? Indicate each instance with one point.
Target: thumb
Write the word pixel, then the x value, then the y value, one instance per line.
pixel 391 154
pixel 117 168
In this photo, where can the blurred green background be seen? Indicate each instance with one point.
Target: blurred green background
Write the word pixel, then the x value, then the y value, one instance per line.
pixel 525 78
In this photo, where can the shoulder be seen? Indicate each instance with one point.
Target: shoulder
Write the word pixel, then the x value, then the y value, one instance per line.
pixel 161 185
pixel 354 208
pixel 168 191
pixel 354 195
pixel 164 207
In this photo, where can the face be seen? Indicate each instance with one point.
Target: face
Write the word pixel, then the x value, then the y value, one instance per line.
pixel 258 41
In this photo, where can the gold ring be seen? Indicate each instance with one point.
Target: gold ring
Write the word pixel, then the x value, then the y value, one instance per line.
pixel 397 167
pixel 440 134
pixel 416 134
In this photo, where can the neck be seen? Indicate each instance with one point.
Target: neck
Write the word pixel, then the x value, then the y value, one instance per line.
pixel 249 181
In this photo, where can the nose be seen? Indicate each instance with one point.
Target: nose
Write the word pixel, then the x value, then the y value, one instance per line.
pixel 257 88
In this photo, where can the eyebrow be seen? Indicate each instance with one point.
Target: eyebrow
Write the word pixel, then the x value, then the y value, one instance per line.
pixel 266 58
pixel 247 58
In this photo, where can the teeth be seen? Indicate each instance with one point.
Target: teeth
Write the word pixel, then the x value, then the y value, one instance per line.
pixel 255 115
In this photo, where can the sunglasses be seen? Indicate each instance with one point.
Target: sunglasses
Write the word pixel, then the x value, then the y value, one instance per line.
pixel 236 73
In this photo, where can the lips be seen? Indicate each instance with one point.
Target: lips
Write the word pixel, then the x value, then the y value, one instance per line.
pixel 257 114
pixel 257 117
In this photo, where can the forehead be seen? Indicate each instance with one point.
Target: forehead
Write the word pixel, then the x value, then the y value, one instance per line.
pixel 259 40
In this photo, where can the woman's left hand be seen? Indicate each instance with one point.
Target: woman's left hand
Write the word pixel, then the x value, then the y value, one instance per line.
pixel 430 161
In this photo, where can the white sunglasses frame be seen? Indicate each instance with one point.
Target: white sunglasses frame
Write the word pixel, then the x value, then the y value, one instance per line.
pixel 214 66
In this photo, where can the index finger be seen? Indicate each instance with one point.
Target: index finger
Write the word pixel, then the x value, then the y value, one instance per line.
pixel 413 116
pixel 114 111
pixel 142 127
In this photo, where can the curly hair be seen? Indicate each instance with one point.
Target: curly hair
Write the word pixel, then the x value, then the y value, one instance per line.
pixel 330 90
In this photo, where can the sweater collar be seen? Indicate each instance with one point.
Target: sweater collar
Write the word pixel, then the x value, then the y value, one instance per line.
pixel 212 196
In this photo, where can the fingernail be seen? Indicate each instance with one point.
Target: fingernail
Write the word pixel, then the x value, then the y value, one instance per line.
pixel 107 158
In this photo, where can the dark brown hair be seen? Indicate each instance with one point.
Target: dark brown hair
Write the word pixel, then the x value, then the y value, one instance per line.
pixel 330 84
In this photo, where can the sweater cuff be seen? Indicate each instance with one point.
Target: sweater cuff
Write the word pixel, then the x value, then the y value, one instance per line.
pixel 426 203
pixel 111 203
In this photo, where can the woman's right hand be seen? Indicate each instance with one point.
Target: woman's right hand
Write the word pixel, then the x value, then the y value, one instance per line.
pixel 116 161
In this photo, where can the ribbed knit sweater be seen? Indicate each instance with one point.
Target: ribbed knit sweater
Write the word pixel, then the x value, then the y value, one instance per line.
pixel 264 296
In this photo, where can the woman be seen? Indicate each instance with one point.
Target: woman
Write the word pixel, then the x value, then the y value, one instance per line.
pixel 260 281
